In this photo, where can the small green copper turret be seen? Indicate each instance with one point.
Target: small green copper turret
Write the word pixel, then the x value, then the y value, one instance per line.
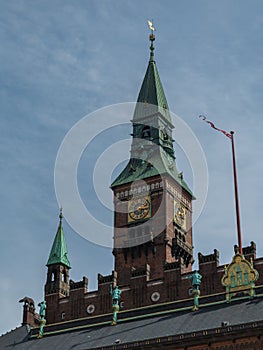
pixel 59 252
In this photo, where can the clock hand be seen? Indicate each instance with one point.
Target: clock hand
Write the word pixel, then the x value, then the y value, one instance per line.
pixel 142 207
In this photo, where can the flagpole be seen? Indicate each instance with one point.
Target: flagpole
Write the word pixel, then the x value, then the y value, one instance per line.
pixel 236 194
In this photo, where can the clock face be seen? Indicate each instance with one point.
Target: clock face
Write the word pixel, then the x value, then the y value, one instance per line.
pixel 139 208
pixel 180 214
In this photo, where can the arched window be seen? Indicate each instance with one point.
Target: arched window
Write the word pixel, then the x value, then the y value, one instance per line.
pixel 165 135
pixel 53 277
pixel 64 276
pixel 146 132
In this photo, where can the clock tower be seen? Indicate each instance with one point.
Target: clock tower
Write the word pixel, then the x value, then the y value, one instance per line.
pixel 152 202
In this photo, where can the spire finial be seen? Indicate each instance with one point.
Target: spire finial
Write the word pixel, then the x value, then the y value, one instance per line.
pixel 152 38
pixel 60 214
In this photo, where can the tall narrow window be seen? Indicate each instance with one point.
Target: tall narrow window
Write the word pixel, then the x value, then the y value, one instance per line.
pixel 64 276
pixel 53 277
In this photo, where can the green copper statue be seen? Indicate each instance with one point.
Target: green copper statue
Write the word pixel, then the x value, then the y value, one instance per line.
pixel 115 294
pixel 42 314
pixel 196 281
pixel 196 294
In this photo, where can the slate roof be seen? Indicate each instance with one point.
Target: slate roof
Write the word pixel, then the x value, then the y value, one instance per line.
pixel 171 326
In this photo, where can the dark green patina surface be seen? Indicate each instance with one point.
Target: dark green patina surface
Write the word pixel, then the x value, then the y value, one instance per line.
pixel 138 169
pixel 152 93
pixel 59 252
pixel 152 151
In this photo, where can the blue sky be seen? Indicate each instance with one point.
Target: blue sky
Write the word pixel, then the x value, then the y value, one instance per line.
pixel 61 60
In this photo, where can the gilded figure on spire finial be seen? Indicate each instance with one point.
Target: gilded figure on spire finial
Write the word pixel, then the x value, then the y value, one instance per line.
pixel 150 23
pixel 151 37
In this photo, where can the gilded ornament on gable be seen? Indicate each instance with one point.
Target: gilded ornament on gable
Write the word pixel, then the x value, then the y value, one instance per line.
pixel 240 277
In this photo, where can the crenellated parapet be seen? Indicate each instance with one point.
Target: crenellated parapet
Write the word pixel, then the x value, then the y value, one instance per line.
pixel 248 252
pixel 142 271
pixel 107 278
pixel 79 285
pixel 141 290
pixel 210 258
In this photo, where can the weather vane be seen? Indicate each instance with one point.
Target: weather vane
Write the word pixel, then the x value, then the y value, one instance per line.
pixel 150 24
pixel 151 37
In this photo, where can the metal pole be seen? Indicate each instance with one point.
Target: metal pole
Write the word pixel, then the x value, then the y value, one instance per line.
pixel 236 194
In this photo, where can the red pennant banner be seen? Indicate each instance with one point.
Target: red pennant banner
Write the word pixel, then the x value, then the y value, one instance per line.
pixel 214 127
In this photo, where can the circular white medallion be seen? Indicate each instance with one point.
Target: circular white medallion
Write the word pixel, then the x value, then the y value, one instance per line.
pixel 90 309
pixel 155 296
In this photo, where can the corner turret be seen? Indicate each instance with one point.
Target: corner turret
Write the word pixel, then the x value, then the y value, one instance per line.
pixel 58 264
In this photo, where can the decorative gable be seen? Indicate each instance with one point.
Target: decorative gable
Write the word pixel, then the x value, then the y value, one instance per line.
pixel 239 277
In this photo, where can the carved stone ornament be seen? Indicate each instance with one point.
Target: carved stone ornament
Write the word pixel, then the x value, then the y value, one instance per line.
pixel 240 277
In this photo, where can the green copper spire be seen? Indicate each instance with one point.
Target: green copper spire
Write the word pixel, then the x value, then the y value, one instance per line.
pixel 59 252
pixel 152 151
pixel 151 92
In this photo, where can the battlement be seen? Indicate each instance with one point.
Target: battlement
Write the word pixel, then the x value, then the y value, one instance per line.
pixel 144 271
pixel 203 259
pixel 77 285
pixel 141 290
pixel 172 266
pixel 107 279
pixel 250 251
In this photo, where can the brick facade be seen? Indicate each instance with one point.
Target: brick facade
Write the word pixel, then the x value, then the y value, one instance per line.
pixel 150 273
pixel 141 290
